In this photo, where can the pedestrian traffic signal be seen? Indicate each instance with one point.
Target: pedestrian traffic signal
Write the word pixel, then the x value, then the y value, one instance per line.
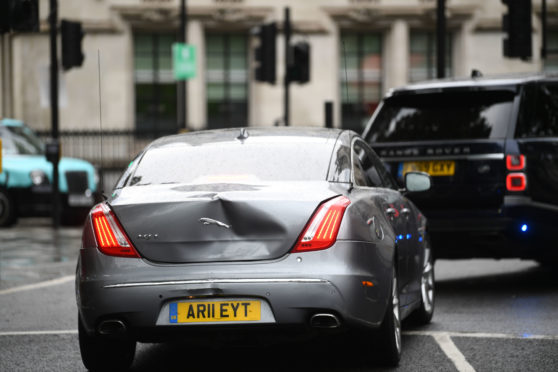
pixel 299 71
pixel 517 26
pixel 19 15
pixel 265 53
pixel 72 36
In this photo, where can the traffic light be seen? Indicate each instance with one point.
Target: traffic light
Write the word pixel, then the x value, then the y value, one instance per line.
pixel 265 53
pixel 72 34
pixel 19 15
pixel 517 26
pixel 299 71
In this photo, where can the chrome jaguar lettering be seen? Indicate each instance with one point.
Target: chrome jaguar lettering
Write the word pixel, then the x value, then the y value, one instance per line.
pixel 148 236
pixel 211 221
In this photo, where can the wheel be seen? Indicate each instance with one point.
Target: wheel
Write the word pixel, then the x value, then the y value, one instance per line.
pixel 389 335
pixel 8 214
pixel 423 315
pixel 105 354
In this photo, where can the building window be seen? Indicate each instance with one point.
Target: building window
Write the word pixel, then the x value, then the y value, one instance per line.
pixel 422 62
pixel 155 87
pixel 361 82
pixel 227 80
pixel 551 61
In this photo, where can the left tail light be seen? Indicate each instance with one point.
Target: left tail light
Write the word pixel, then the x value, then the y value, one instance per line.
pixel 321 231
pixel 111 238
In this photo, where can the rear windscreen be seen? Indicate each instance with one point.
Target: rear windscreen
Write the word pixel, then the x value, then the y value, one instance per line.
pixel 444 116
pixel 233 162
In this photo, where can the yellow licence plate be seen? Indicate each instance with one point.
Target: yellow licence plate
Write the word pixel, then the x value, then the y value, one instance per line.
pixel 433 167
pixel 214 311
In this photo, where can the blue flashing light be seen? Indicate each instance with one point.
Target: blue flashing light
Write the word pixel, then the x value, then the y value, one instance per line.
pixel 420 238
pixel 400 237
pixel 408 236
pixel 524 227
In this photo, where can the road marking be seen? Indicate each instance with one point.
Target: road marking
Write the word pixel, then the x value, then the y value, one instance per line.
pixel 35 333
pixel 452 352
pixel 482 335
pixel 47 283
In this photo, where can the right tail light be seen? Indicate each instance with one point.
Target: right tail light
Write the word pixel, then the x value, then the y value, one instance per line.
pixel 516 180
pixel 321 231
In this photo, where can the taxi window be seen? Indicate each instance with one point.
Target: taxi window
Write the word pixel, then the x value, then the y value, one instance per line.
pixel 24 141
pixel 8 146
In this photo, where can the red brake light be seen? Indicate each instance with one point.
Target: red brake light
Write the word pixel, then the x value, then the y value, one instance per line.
pixel 321 231
pixel 110 237
pixel 516 182
pixel 515 162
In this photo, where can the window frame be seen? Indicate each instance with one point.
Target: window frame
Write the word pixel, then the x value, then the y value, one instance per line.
pixel 361 102
pixel 226 56
pixel 154 121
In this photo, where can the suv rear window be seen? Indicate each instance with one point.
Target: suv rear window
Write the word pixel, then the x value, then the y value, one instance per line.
pixel 444 116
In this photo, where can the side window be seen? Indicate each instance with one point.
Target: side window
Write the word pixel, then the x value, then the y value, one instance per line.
pixel 539 112
pixel 365 167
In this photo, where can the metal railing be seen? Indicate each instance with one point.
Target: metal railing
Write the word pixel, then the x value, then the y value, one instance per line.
pixel 110 151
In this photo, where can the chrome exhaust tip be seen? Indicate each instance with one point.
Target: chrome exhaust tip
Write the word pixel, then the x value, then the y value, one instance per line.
pixel 111 327
pixel 324 320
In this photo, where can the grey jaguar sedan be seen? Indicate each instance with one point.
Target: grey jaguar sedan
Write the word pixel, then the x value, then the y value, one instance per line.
pixel 250 232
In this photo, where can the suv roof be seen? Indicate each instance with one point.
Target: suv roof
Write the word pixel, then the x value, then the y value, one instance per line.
pixel 466 83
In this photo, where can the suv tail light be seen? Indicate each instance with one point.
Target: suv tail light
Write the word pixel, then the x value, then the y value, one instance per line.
pixel 321 232
pixel 515 162
pixel 516 181
pixel 110 237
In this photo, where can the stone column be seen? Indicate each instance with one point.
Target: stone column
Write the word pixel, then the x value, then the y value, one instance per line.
pixel 6 81
pixel 396 56
pixel 197 110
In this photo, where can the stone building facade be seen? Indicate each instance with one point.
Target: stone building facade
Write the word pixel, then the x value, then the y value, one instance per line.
pixel 359 50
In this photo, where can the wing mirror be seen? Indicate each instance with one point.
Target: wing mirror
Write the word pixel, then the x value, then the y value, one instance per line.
pixel 417 181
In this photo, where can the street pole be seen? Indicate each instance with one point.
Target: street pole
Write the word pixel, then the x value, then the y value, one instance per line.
pixel 543 21
pixel 441 39
pixel 287 30
pixel 181 84
pixel 53 24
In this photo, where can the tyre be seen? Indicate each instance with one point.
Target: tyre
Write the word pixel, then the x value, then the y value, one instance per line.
pixel 105 354
pixel 8 214
pixel 423 315
pixel 389 334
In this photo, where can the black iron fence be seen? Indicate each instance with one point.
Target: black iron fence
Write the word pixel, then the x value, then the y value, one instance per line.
pixel 109 151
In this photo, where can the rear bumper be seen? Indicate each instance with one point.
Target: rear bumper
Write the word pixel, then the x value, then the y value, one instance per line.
pixel 294 288
pixel 521 228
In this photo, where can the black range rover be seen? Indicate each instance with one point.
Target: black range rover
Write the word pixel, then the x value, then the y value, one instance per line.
pixel 491 147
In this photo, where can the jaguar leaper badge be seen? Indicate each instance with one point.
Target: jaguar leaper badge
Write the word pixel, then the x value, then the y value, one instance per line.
pixel 211 221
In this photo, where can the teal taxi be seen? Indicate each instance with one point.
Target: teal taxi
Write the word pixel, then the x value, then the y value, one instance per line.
pixel 26 178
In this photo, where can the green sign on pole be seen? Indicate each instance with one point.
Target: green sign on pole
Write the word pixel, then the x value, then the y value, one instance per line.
pixel 183 61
